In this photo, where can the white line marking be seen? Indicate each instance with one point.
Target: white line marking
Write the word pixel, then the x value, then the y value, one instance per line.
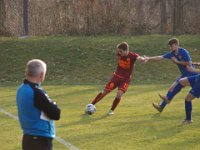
pixel 9 114
pixel 57 138
pixel 65 143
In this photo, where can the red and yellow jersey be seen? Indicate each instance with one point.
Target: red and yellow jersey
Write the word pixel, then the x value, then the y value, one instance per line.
pixel 125 65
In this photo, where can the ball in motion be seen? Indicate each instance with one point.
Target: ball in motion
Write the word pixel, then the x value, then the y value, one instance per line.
pixel 90 109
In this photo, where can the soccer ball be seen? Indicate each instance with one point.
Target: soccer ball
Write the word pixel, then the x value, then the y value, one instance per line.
pixel 90 109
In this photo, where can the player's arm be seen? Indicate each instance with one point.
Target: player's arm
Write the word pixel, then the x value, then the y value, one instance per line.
pixel 186 60
pixel 153 58
pixel 196 64
pixel 192 69
pixel 48 106
pixel 165 56
pixel 184 63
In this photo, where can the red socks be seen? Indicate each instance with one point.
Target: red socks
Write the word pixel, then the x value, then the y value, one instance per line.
pixel 115 103
pixel 98 98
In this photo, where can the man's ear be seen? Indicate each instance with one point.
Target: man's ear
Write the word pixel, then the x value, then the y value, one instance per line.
pixel 42 76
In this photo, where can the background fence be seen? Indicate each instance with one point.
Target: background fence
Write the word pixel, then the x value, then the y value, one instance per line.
pixel 94 17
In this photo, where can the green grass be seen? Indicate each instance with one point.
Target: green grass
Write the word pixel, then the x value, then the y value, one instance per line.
pixel 77 68
pixel 88 60
pixel 135 124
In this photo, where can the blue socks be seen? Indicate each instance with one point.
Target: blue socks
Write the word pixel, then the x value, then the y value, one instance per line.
pixel 163 104
pixel 188 110
pixel 177 88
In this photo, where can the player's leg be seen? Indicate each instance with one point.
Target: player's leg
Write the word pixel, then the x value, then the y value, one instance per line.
pixel 173 90
pixel 188 108
pixel 100 96
pixel 194 93
pixel 122 88
pixel 165 99
pixel 111 85
pixel 177 86
pixel 116 102
pixel 117 99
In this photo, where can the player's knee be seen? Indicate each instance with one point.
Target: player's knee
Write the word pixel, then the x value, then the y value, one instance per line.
pixel 182 82
pixel 119 96
pixel 104 92
pixel 187 99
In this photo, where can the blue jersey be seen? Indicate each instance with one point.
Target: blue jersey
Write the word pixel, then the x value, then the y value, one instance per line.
pixel 183 55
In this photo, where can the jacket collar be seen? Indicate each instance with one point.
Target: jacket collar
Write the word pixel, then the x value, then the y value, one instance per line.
pixel 31 83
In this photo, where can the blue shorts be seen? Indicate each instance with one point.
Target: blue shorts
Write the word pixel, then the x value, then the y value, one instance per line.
pixel 185 76
pixel 195 84
pixel 192 79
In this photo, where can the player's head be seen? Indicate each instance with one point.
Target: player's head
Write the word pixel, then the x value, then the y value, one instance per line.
pixel 173 44
pixel 123 48
pixel 36 70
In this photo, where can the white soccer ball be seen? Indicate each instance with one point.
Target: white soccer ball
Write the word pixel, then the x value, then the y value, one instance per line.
pixel 90 109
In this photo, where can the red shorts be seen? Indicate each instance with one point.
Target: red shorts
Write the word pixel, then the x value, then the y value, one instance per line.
pixel 115 81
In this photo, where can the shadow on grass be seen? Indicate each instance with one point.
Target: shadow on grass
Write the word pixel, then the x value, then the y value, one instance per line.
pixel 85 119
pixel 156 116
pixel 89 118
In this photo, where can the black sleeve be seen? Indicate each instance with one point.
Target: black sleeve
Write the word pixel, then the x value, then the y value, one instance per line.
pixel 44 103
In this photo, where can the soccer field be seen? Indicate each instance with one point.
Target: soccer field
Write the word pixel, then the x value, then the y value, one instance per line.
pixel 134 126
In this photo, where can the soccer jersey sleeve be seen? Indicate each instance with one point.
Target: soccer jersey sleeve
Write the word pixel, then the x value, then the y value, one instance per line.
pixel 135 56
pixel 167 55
pixel 186 56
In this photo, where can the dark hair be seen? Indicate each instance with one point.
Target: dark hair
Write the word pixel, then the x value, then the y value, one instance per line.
pixel 123 46
pixel 173 41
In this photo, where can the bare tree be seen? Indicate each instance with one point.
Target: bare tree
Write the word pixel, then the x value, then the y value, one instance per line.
pixel 2 17
pixel 178 16
pixel 90 18
pixel 163 16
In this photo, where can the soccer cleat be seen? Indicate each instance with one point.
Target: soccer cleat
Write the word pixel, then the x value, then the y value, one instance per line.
pixel 164 99
pixel 110 112
pixel 186 122
pixel 157 107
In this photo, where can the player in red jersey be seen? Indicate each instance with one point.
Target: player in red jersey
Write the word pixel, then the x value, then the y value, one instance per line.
pixel 122 76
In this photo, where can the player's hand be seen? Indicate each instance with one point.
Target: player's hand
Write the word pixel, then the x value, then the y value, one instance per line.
pixel 190 68
pixel 175 60
pixel 142 59
pixel 146 59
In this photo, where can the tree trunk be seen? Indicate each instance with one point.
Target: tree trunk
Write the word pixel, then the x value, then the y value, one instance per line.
pixel 2 17
pixel 163 17
pixel 178 17
pixel 90 18
pixel 25 16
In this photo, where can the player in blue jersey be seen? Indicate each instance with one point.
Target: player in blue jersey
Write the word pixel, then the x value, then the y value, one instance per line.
pixel 182 59
pixel 194 82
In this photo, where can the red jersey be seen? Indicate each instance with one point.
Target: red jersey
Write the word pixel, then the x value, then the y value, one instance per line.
pixel 125 65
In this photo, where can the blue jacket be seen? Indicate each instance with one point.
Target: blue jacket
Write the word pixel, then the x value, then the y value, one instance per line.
pixel 32 102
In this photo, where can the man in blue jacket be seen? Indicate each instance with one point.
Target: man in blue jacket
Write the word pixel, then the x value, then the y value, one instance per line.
pixel 36 111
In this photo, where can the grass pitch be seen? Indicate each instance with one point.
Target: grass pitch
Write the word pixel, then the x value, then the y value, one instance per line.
pixel 135 124
pixel 84 62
